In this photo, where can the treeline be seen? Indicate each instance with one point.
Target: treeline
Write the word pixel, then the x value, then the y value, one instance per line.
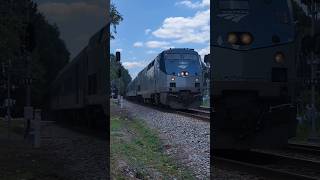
pixel 48 55
pixel 125 76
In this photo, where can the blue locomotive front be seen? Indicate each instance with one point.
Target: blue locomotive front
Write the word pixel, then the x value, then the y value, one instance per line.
pixel 173 78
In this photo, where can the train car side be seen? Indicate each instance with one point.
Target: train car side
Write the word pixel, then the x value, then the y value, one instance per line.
pixel 79 93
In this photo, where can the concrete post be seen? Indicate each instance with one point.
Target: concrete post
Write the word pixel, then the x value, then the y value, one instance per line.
pixel 121 102
pixel 37 127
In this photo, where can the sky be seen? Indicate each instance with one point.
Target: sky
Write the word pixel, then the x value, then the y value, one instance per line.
pixel 77 20
pixel 151 26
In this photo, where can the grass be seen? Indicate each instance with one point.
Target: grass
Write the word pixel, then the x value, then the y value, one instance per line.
pixel 205 102
pixel 142 150
pixel 17 126
pixel 304 129
pixel 18 160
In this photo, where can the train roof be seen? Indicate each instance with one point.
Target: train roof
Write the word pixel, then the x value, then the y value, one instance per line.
pixel 92 39
pixel 180 50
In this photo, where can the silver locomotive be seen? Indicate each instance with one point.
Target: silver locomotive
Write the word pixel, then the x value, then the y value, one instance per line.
pixel 174 78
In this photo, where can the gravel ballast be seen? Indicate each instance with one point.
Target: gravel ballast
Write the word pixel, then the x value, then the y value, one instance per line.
pixel 185 138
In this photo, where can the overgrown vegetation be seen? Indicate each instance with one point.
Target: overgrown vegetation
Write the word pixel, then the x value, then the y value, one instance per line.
pixel 304 130
pixel 140 148
pixel 125 76
pixel 47 58
pixel 17 126
pixel 116 18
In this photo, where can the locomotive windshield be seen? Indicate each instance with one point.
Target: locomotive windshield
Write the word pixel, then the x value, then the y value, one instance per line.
pixel 233 5
pixel 176 63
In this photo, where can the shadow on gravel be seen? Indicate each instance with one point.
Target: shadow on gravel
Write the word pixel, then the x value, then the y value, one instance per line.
pixel 18 160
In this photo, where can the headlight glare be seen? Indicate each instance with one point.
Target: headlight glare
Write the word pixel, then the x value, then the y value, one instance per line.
pixel 246 38
pixel 279 57
pixel 232 38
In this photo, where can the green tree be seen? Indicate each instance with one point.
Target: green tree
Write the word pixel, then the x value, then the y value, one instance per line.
pixel 116 18
pixel 125 78
pixel 304 21
pixel 48 57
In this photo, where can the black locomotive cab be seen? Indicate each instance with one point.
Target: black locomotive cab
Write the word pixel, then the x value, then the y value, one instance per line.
pixel 253 71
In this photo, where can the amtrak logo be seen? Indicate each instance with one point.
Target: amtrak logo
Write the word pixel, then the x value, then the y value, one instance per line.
pixel 183 66
pixel 233 17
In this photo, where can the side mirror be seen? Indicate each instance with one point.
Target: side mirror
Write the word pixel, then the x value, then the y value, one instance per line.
pixel 118 56
pixel 207 58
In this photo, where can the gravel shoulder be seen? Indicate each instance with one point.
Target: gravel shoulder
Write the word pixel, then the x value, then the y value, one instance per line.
pixel 137 152
pixel 64 154
pixel 187 139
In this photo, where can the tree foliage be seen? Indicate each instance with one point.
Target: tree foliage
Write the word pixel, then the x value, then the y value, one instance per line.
pixel 304 21
pixel 47 58
pixel 125 78
pixel 116 18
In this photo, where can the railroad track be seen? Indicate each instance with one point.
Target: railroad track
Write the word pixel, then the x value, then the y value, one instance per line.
pixel 304 148
pixel 200 113
pixel 270 166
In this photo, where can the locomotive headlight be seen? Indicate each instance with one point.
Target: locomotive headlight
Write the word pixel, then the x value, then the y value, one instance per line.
pixel 279 57
pixel 186 73
pixel 197 79
pixel 173 79
pixel 232 38
pixel 246 38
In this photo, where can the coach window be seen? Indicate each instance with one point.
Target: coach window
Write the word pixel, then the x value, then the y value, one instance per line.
pixel 150 65
pixel 92 84
pixel 101 38
pixel 233 5
pixel 162 63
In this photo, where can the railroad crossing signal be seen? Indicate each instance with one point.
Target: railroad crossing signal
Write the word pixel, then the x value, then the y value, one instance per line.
pixel 118 59
pixel 118 56
pixel 9 102
pixel 27 81
pixel 312 81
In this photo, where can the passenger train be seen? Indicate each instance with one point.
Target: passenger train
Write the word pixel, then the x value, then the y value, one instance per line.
pixel 254 73
pixel 174 78
pixel 79 94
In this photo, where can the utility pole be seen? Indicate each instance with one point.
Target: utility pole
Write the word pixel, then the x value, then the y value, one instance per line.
pixel 118 59
pixel 313 63
pixel 8 101
pixel 28 110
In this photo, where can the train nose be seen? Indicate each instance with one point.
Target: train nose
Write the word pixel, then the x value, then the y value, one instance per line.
pixel 186 82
